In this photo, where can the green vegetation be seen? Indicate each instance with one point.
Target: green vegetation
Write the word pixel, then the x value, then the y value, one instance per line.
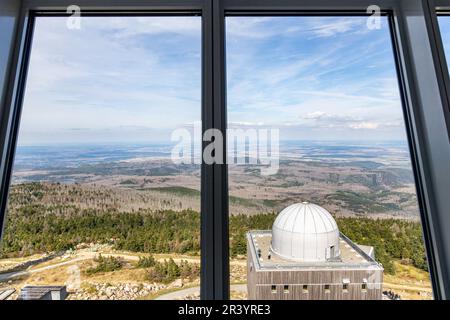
pixel 242 201
pixel 363 202
pixel 168 271
pixel 36 225
pixel 189 192
pixel 128 181
pixel 107 264
pixel 392 239
pixel 32 229
pixel 146 262
pixel 240 224
pixel 180 191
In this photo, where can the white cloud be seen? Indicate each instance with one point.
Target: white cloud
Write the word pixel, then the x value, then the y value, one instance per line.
pixel 337 26
pixel 105 76
pixel 364 125
pixel 315 115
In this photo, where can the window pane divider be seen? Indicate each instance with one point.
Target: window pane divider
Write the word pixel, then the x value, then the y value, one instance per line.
pixel 421 66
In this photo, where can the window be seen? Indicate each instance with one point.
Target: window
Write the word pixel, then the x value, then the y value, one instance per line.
pixel 305 288
pixel 285 288
pixel 327 288
pixel 94 170
pixel 345 287
pixel 364 287
pixel 444 26
pixel 274 289
pixel 317 141
pixel 424 104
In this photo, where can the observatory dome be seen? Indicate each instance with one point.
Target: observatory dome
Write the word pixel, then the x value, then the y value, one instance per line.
pixel 305 232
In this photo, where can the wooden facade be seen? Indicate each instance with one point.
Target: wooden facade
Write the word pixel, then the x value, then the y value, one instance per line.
pixel 310 283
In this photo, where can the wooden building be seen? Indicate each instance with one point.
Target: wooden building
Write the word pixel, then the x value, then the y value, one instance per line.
pixel 299 265
pixel 43 293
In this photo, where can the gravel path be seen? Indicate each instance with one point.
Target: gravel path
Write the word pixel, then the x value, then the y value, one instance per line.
pixel 195 290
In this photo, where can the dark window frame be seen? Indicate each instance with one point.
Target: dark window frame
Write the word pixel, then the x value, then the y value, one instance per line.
pixel 423 84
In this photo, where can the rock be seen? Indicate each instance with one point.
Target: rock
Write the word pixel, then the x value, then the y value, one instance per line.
pixel 178 283
pixel 109 292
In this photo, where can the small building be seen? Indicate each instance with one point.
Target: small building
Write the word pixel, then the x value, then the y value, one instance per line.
pixel 305 257
pixel 43 293
pixel 6 293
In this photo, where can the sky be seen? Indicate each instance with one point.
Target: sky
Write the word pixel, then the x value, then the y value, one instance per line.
pixel 132 79
pixel 444 26
pixel 136 79
pixel 321 78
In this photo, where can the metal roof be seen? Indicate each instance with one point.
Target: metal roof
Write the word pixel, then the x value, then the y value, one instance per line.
pixel 305 232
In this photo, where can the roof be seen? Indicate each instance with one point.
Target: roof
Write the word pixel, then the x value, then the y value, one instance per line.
pixel 351 257
pixel 42 293
pixel 305 232
pixel 306 218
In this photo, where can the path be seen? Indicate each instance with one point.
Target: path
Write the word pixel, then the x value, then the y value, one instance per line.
pixel 179 294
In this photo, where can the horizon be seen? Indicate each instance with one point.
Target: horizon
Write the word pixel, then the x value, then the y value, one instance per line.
pixel 170 143
pixel 86 85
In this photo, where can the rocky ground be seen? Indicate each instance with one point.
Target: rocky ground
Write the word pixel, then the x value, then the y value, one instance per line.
pixel 122 291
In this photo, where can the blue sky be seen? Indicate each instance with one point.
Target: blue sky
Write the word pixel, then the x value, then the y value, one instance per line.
pixel 444 26
pixel 136 79
pixel 131 79
pixel 314 77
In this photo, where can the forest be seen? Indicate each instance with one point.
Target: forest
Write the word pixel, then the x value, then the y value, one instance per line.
pixel 34 226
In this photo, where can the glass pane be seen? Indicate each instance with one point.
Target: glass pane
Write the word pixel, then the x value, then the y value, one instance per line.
pixel 99 202
pixel 444 27
pixel 322 194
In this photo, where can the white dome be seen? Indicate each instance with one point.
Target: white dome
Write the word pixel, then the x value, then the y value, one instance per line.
pixel 305 232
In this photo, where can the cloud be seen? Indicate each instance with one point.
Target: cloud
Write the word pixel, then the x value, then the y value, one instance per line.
pixel 320 74
pixel 335 27
pixel 314 115
pixel 308 27
pixel 316 76
pixel 112 74
pixel 327 120
pixel 364 125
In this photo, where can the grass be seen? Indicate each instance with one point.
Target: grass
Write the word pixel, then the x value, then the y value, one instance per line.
pixel 189 192
pixel 179 191
pixel 410 282
pixel 242 201
pixel 107 264
pixel 409 272
pixel 363 202
pixel 146 262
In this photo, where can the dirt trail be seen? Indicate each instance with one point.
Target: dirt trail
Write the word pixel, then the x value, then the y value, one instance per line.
pixel 180 294
pixel 89 255
pixel 388 285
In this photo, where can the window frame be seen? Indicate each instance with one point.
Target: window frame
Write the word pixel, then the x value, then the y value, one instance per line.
pixel 423 80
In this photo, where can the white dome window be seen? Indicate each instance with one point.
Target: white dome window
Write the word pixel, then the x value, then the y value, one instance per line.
pixel 305 232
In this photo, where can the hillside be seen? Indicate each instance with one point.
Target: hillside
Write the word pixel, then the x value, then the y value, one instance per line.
pixel 53 217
